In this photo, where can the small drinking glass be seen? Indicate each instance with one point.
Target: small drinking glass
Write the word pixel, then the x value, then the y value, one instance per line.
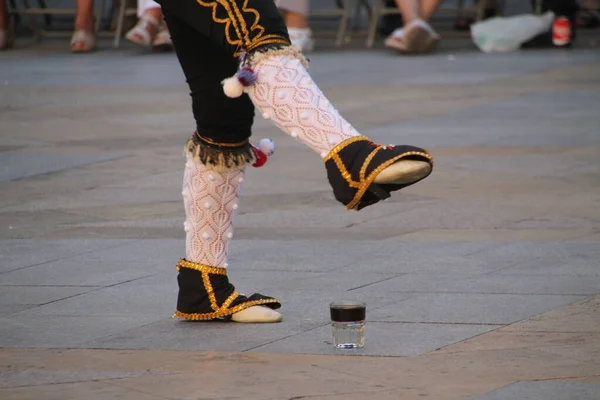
pixel 348 323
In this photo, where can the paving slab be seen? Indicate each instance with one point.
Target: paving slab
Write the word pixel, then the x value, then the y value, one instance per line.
pixel 173 334
pixel 80 272
pixel 485 366
pixel 28 165
pixel 22 253
pixel 491 283
pixel 381 339
pixel 455 271
pixel 36 295
pixel 469 308
pixel 545 391
pixel 48 331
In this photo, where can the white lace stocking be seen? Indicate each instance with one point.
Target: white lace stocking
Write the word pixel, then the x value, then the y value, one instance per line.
pixel 286 94
pixel 210 199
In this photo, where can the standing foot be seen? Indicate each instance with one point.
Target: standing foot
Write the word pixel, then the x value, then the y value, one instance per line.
pixel 205 294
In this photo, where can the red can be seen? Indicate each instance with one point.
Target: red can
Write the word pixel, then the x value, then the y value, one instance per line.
pixel 561 31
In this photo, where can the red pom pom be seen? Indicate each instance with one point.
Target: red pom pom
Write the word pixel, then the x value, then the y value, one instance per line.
pixel 260 158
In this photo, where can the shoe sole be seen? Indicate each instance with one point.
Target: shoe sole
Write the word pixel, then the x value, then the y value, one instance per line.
pixel 419 40
pixel 257 315
pixel 392 44
pixel 139 42
pixel 403 172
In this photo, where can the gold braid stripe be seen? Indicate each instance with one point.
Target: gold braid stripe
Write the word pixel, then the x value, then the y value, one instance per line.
pixel 239 15
pixel 230 299
pixel 343 145
pixel 224 313
pixel 221 144
pixel 364 184
pixel 235 19
pixel 201 267
pixel 226 21
pixel 363 168
pixel 345 174
pixel 211 292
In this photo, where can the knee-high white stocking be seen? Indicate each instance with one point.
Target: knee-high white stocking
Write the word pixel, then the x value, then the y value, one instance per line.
pixel 211 198
pixel 285 93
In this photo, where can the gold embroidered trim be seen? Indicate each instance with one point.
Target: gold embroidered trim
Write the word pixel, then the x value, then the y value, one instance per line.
pixel 364 183
pixel 211 292
pixel 201 267
pixel 290 51
pixel 218 312
pixel 363 168
pixel 223 313
pixel 230 299
pixel 246 38
pixel 269 39
pixel 343 145
pixel 220 144
pixel 344 172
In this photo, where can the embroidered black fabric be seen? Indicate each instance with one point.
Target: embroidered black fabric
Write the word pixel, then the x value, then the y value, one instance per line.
pixel 207 39
pixel 193 297
pixel 353 157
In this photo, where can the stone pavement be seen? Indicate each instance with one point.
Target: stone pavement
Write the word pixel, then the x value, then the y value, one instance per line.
pixel 481 281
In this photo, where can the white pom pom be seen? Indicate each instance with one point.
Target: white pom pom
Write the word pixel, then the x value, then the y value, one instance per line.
pixel 233 87
pixel 266 146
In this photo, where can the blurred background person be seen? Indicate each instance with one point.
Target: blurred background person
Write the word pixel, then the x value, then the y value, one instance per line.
pixel 84 37
pixel 416 36
pixel 6 36
pixel 295 13
pixel 589 14
pixel 151 29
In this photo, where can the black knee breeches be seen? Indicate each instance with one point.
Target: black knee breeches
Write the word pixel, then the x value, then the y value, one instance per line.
pixel 208 37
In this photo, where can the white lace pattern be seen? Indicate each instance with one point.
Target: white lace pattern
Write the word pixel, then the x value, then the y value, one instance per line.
pixel 286 94
pixel 210 199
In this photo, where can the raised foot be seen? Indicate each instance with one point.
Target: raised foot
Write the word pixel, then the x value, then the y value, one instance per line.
pixel 257 314
pixel 362 172
pixel 404 172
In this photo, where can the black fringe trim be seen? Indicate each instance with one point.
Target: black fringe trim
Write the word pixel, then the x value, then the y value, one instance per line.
pixel 223 156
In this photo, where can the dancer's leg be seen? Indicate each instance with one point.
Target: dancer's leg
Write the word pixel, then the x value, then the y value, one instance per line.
pixel 84 37
pixel 296 19
pixel 360 171
pixel 217 155
pixel 415 9
pixel 416 36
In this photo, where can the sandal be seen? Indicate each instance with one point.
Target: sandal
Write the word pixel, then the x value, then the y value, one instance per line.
pixel 83 41
pixel 395 41
pixel 144 32
pixel 420 38
pixel 363 173
pixel 162 41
